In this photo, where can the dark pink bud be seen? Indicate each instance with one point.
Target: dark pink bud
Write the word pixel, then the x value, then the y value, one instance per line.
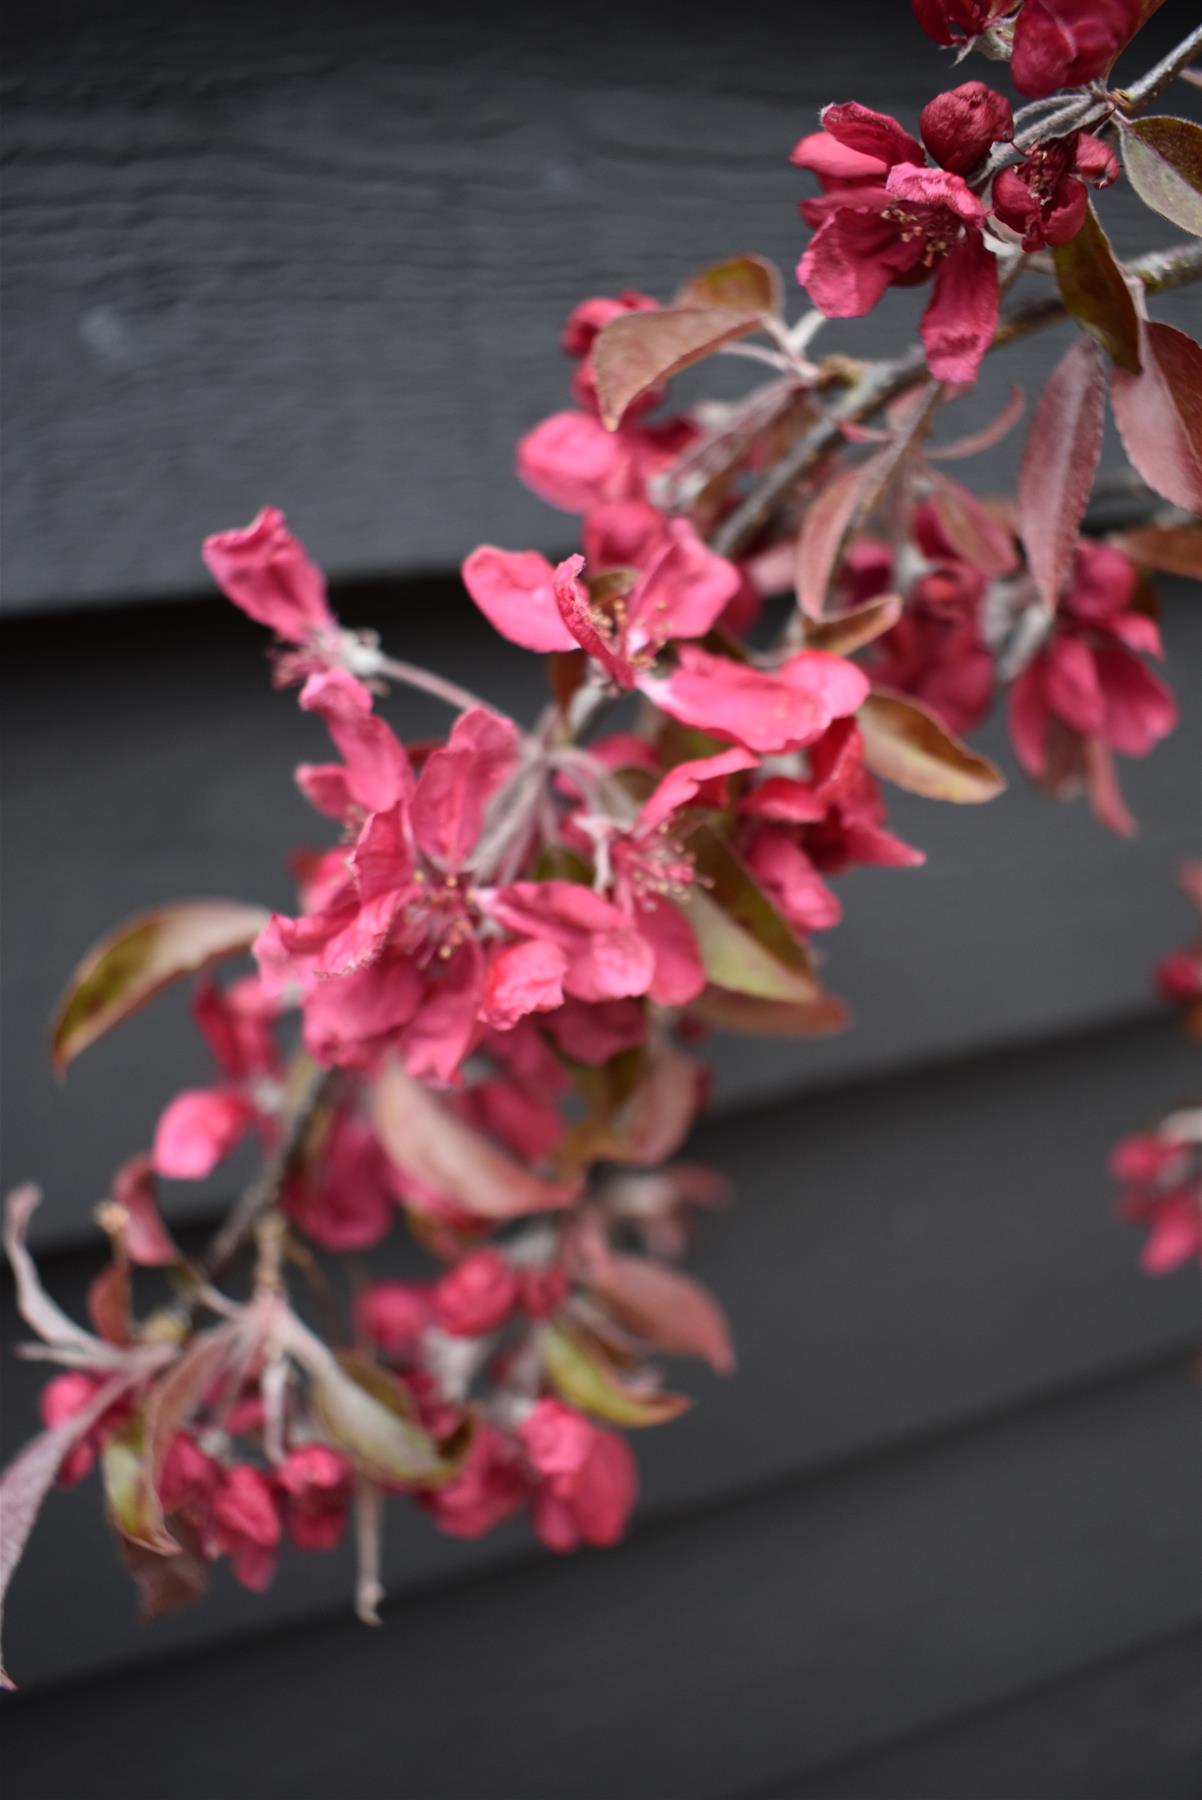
pixel 543 1291
pixel 959 127
pixel 477 1295
pixel 393 1314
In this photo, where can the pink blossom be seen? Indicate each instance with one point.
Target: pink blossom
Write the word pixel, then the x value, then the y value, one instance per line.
pixel 587 1480
pixel 189 1480
pixel 522 979
pixel 838 811
pixel 606 958
pixel 60 1400
pixel 344 1199
pixel 477 1295
pixel 392 1315
pixel 1068 43
pixel 954 21
pixel 1162 1176
pixel 543 1291
pixel 898 224
pixel 199 1129
pixel 623 621
pixel 768 711
pixel 1044 197
pixel 264 570
pixel 487 1490
pixel 247 1526
pixel 572 461
pixel 316 1484
pixel 376 768
pixel 1088 687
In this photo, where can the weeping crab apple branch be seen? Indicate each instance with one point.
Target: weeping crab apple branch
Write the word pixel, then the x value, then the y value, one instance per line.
pixel 1177 266
pixel 501 965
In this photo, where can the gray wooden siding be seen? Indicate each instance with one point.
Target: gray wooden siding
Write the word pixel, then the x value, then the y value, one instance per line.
pixel 940 1534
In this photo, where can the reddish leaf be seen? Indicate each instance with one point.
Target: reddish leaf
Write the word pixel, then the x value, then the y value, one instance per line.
pixel 742 284
pixel 30 1476
pixel 1159 415
pixel 668 1310
pixel 580 1371
pixel 144 1237
pixel 970 528
pixel 828 520
pixel 429 1142
pixel 906 744
pixel 1163 160
pixel 165 1584
pixel 127 968
pixel 1096 294
pixel 1056 479
pixel 109 1303
pixel 638 350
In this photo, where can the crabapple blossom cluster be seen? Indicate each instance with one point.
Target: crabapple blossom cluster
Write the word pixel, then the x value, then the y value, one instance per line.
pixel 474 1043
pixel 1160 1171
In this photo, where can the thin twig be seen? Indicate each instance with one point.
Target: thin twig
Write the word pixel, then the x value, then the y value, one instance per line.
pixel 884 381
pixel 264 1190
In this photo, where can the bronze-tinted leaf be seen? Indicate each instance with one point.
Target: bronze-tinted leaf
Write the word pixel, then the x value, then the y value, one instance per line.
pixel 1163 160
pixel 742 284
pixel 745 944
pixel 639 350
pixel 1169 549
pixel 582 1374
pixel 850 631
pixel 1096 294
pixel 906 744
pixel 1159 415
pixel 828 521
pixel 424 1138
pixel 1061 455
pixel 132 964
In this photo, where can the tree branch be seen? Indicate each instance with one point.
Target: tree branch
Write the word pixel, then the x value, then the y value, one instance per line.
pixel 1138 95
pixel 885 381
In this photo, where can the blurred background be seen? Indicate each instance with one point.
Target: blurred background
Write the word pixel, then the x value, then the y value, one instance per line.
pixel 939 1536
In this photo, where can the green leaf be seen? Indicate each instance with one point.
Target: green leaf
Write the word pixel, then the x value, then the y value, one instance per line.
pixel 744 942
pixel 1096 294
pixel 580 1372
pixel 127 968
pixel 128 1494
pixel 906 744
pixel 1163 160
pixel 368 1414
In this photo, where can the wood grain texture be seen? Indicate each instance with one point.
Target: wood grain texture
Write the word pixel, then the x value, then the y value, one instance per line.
pixel 716 1652
pixel 320 252
pixel 902 1257
pixel 146 760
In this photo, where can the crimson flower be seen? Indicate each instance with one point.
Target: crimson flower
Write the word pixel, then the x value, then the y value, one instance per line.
pixel 1086 695
pixel 1044 197
pixel 885 219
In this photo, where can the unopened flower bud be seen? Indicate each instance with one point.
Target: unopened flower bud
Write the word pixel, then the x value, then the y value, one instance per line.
pixel 959 127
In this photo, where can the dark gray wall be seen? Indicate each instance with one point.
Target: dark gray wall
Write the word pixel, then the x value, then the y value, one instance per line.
pixel 940 1533
pixel 320 251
